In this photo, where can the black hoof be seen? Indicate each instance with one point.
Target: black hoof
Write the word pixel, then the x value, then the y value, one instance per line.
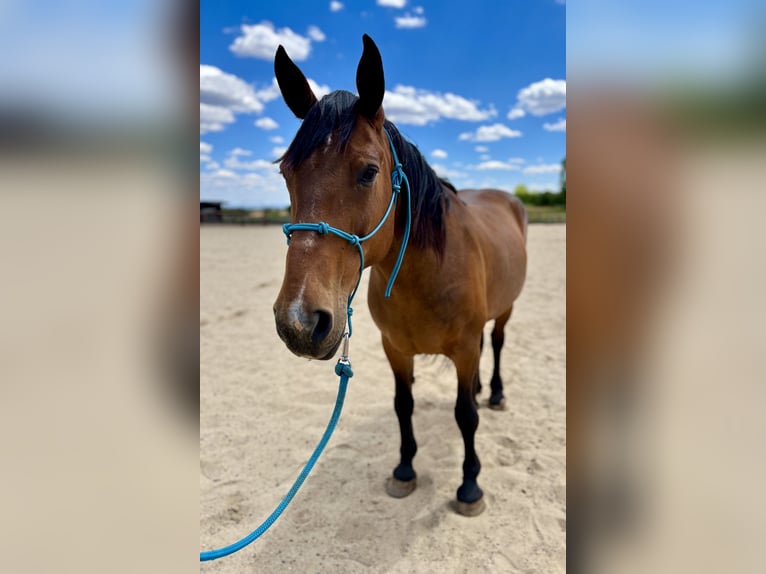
pixel 404 473
pixel 470 508
pixel 470 499
pixel 400 488
pixel 469 491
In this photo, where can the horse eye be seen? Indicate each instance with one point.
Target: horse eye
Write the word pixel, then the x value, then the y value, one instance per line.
pixel 368 175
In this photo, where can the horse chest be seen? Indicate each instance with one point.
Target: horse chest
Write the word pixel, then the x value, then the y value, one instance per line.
pixel 419 321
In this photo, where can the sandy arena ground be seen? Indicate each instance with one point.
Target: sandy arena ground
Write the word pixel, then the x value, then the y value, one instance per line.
pixel 263 410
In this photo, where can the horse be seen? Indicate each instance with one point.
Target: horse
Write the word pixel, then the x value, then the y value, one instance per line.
pixel 465 260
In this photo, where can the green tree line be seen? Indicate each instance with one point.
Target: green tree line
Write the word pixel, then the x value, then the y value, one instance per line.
pixel 545 197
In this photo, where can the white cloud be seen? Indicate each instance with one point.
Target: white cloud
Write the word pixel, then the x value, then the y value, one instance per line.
pixel 213 118
pixel 318 89
pixel 261 41
pixel 336 6
pixel 516 113
pixel 494 164
pixel 413 106
pixel 223 95
pixel 266 124
pixel 481 148
pixel 233 162
pixel 418 10
pixel 316 34
pixel 217 88
pixel 542 168
pixel 204 151
pixel 541 98
pixel 518 160
pixel 263 188
pixel 392 3
pixel 491 133
pixel 439 153
pixel 278 151
pixel 212 165
pixel 559 126
pixel 408 21
pixel 444 171
pixel 271 92
pixel 277 139
pixel 485 157
pixel 244 183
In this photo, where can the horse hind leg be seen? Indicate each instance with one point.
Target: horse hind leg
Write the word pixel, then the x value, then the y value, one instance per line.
pixel 497 399
pixel 404 479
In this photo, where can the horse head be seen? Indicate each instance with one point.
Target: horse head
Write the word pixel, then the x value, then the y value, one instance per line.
pixel 338 172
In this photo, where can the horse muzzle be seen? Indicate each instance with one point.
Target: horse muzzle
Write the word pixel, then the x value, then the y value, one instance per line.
pixel 311 333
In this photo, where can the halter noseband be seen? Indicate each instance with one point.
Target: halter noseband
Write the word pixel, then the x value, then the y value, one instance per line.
pixel 397 178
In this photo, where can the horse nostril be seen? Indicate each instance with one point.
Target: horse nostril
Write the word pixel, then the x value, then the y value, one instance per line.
pixel 322 326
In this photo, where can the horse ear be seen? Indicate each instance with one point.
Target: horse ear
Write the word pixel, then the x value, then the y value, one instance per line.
pixel 369 79
pixel 293 84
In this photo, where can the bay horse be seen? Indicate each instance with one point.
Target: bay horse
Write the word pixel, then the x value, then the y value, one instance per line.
pixel 465 263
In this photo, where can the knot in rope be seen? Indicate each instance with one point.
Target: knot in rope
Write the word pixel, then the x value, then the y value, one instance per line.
pixel 349 312
pixel 344 369
pixel 396 177
pixel 354 240
pixel 323 228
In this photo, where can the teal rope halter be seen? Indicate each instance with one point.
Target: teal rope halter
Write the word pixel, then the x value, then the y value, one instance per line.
pixel 397 178
pixel 343 367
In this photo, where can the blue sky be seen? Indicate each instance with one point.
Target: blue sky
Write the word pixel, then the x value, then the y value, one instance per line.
pixel 478 86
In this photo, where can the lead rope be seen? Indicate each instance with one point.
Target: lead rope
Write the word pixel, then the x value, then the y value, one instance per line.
pixel 343 367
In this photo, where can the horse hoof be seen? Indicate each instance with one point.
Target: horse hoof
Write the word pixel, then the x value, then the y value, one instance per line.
pixel 499 406
pixel 470 508
pixel 400 488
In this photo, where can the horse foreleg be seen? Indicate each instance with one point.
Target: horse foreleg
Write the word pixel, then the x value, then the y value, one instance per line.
pixel 477 388
pixel 496 399
pixel 403 481
pixel 470 500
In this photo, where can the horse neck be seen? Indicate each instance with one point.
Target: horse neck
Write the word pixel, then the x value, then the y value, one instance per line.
pixel 418 262
pixel 419 173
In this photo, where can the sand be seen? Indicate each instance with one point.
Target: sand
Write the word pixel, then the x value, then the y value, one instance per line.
pixel 263 410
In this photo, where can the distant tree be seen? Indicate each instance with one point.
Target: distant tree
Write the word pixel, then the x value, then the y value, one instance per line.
pixel 522 192
pixel 544 198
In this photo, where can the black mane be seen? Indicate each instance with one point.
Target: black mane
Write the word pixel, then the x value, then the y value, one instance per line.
pixel 335 115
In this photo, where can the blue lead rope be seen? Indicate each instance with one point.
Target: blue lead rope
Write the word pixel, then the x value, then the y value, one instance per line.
pixel 345 373
pixel 343 368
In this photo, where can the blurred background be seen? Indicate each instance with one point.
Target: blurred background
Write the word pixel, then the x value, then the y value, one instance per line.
pixel 665 275
pixel 99 287
pixel 99 291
